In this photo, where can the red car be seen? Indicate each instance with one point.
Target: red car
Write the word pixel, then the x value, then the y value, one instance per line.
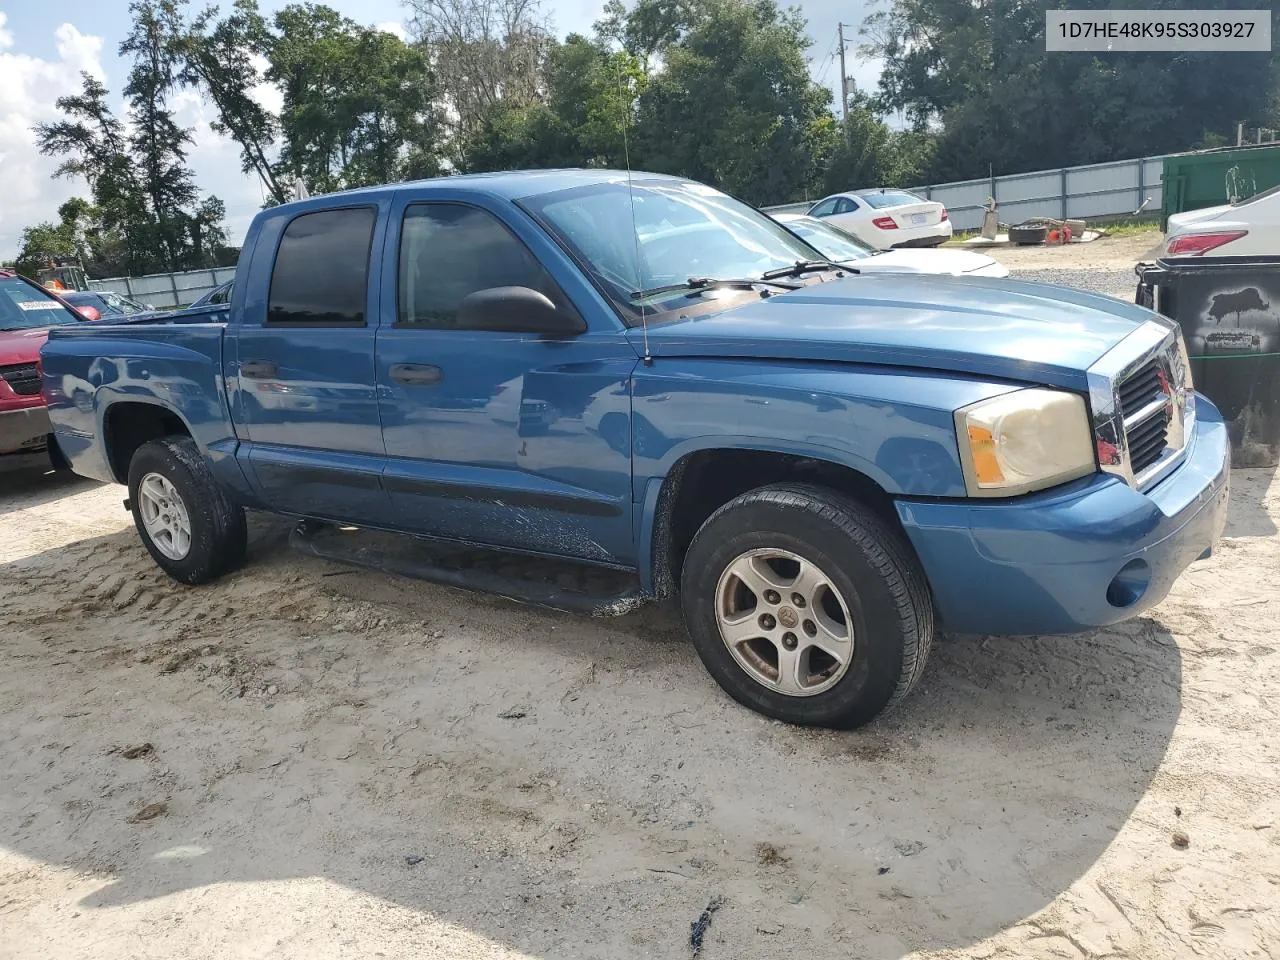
pixel 27 311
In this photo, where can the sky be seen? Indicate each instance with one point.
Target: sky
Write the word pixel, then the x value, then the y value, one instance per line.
pixel 44 49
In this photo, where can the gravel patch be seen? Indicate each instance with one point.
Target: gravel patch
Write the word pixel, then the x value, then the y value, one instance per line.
pixel 1116 282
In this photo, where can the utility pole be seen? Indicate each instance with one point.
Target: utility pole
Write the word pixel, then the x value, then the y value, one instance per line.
pixel 844 78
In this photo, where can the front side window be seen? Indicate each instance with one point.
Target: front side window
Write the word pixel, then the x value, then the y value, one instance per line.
pixel 824 208
pixel 845 205
pixel 25 306
pixel 449 251
pixel 638 238
pixel 321 273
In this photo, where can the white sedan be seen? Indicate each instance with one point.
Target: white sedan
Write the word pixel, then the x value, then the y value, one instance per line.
pixel 1250 228
pixel 835 244
pixel 887 218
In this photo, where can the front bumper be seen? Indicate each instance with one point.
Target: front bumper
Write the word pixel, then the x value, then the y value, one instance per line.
pixel 20 428
pixel 1089 554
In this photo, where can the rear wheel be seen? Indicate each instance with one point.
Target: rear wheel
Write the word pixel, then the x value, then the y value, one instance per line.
pixel 806 606
pixel 185 519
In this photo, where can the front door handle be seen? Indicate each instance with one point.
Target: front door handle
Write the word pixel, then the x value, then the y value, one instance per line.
pixel 417 374
pixel 259 369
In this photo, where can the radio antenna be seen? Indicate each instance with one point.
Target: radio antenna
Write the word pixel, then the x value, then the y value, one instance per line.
pixel 635 233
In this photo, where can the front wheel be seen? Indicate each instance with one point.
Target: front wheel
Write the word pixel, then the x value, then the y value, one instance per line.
pixel 187 523
pixel 806 606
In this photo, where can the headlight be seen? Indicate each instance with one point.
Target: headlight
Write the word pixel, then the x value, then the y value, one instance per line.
pixel 1023 441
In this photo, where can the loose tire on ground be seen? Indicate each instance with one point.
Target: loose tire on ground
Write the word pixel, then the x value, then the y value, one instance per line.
pixel 1028 236
pixel 868 570
pixel 218 533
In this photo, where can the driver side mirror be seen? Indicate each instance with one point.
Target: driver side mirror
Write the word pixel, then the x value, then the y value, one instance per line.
pixel 516 310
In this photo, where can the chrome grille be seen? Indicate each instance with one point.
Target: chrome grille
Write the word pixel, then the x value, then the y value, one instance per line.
pixel 23 379
pixel 1142 408
pixel 1145 404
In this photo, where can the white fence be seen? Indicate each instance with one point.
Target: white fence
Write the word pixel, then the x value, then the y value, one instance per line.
pixel 165 290
pixel 1096 190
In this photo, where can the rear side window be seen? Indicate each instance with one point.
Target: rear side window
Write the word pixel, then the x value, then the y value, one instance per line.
pixel 449 251
pixel 321 275
pixel 890 198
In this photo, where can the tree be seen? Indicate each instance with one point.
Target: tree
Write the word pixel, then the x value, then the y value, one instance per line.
pixel 358 102
pixel 157 142
pixel 93 145
pixel 218 57
pixel 488 54
pixel 734 105
pixel 977 75
pixel 590 98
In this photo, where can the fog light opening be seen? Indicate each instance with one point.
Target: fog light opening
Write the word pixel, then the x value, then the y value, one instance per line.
pixel 1128 586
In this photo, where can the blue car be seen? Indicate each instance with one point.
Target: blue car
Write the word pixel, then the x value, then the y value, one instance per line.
pixel 641 373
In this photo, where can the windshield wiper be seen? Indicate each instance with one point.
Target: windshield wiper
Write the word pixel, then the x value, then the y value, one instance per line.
pixel 806 266
pixel 698 284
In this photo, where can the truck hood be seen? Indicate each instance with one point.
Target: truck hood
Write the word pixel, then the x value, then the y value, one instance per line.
pixel 21 346
pixel 1003 329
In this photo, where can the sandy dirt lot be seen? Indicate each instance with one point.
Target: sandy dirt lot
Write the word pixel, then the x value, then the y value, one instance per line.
pixel 305 761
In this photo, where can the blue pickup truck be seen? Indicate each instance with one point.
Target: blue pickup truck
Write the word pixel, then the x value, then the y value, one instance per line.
pixel 642 373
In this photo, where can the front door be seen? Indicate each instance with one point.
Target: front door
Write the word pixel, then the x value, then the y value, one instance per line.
pixel 304 368
pixel 502 438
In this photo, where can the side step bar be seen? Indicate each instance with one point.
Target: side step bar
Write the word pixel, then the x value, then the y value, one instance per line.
pixel 555 584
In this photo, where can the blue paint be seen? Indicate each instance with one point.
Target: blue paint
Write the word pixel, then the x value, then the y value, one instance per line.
pixel 1042 563
pixel 562 445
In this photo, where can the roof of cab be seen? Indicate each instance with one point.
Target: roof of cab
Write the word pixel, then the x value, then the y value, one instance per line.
pixel 508 184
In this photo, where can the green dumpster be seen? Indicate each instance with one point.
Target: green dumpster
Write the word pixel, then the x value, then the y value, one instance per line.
pixel 1209 178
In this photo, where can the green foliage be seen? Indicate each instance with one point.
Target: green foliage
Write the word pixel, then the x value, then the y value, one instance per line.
pixel 217 58
pixel 978 76
pixel 358 102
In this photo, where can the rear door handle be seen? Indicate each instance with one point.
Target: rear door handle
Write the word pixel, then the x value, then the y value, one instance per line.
pixel 259 369
pixel 417 374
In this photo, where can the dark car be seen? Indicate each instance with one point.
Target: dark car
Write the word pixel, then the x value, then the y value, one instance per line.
pixel 218 296
pixel 107 303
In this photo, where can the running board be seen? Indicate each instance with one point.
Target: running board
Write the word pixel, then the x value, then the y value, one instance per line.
pixel 555 584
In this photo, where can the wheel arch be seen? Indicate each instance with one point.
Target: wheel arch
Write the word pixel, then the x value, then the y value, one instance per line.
pixel 702 480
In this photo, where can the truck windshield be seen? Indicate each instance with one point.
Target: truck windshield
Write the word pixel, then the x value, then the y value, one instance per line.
pixel 24 306
pixel 682 230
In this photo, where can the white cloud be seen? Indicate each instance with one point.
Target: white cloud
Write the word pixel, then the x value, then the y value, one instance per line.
pixel 28 88
pixel 394 28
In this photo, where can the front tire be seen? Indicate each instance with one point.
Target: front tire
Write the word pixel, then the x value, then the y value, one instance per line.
pixel 807 607
pixel 185 519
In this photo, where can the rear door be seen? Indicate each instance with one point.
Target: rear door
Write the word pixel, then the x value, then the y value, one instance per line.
pixel 509 439
pixel 302 377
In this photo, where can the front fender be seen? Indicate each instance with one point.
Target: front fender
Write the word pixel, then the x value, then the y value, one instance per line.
pixel 893 426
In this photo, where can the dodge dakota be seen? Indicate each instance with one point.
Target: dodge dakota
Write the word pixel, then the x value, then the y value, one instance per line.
pixel 640 372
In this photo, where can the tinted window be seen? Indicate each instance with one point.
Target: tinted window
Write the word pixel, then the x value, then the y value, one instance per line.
pixel 322 269
pixel 449 251
pixel 823 208
pixel 221 295
pixel 25 306
pixel 890 198
pixel 845 205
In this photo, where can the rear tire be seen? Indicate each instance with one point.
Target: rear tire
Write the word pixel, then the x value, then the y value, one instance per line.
pixel 843 651
pixel 185 519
